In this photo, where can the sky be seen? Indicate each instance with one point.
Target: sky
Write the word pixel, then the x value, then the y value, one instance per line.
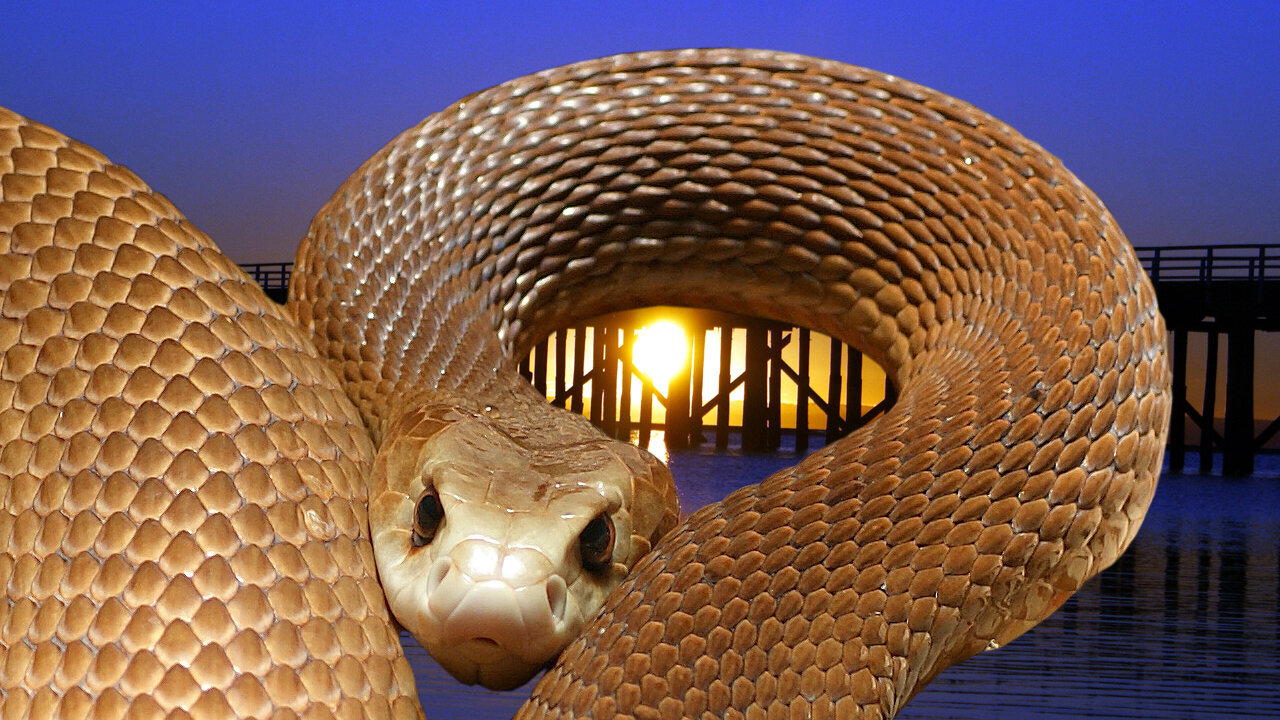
pixel 249 118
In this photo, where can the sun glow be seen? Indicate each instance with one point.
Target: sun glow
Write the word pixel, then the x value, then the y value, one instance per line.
pixel 660 351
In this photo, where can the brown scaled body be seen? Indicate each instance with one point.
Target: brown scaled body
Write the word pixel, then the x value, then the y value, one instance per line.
pixel 184 523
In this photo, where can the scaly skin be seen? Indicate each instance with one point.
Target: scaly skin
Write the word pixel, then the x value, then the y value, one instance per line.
pixel 994 288
pixel 184 527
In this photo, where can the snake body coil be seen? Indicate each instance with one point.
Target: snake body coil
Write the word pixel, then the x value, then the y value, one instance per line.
pixel 184 525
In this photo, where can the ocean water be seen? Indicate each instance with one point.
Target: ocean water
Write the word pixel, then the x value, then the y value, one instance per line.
pixel 1185 625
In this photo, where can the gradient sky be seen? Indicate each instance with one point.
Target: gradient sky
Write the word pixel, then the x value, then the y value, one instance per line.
pixel 248 119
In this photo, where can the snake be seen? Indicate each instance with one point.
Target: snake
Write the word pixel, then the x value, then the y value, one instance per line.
pixel 218 506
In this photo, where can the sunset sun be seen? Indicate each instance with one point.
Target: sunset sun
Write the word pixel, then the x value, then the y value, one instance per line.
pixel 659 351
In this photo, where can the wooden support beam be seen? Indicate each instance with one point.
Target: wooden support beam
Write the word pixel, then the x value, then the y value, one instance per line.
pixel 853 392
pixel 1237 432
pixel 802 393
pixel 626 377
pixel 777 341
pixel 562 342
pixel 597 376
pixel 608 354
pixel 579 374
pixel 1264 437
pixel 755 393
pixel 835 423
pixel 722 399
pixel 676 409
pixel 1178 417
pixel 698 358
pixel 1210 402
pixel 646 413
pixel 540 367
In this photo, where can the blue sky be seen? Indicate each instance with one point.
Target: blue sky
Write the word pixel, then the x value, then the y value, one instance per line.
pixel 248 119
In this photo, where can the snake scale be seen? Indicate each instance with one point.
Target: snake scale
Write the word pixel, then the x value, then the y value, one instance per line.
pixel 190 473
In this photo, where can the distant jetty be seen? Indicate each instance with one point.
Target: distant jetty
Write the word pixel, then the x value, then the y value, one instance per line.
pixel 819 387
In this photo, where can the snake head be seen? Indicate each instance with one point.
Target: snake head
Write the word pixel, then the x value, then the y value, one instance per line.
pixel 494 555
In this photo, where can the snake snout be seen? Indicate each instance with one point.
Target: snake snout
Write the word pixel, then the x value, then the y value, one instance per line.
pixel 556 587
pixel 490 602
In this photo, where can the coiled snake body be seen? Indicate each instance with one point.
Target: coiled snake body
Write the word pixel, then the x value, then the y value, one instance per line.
pixel 189 472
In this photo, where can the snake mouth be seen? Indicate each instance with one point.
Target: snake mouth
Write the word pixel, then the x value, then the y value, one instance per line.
pixel 483 650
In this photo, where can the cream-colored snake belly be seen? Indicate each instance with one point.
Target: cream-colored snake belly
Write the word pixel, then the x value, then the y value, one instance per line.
pixel 187 489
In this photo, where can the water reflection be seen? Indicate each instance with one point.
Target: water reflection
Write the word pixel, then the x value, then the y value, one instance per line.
pixel 1186 624
pixel 1183 625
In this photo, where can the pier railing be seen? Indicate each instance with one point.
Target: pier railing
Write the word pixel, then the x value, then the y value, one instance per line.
pixel 1209 263
pixel 1200 263
pixel 273 277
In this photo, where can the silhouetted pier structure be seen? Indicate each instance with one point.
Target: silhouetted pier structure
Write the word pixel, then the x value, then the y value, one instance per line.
pixel 590 369
pixel 1231 290
pixel 273 277
pixel 1217 290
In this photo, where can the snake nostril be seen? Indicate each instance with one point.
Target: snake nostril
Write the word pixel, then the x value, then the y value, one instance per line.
pixel 557 597
pixel 439 571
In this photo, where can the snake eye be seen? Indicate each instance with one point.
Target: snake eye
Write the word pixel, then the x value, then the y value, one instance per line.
pixel 427 518
pixel 595 543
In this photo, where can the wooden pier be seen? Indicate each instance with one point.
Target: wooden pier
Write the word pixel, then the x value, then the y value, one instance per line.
pixel 1206 292
pixel 1230 291
pixel 761 369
